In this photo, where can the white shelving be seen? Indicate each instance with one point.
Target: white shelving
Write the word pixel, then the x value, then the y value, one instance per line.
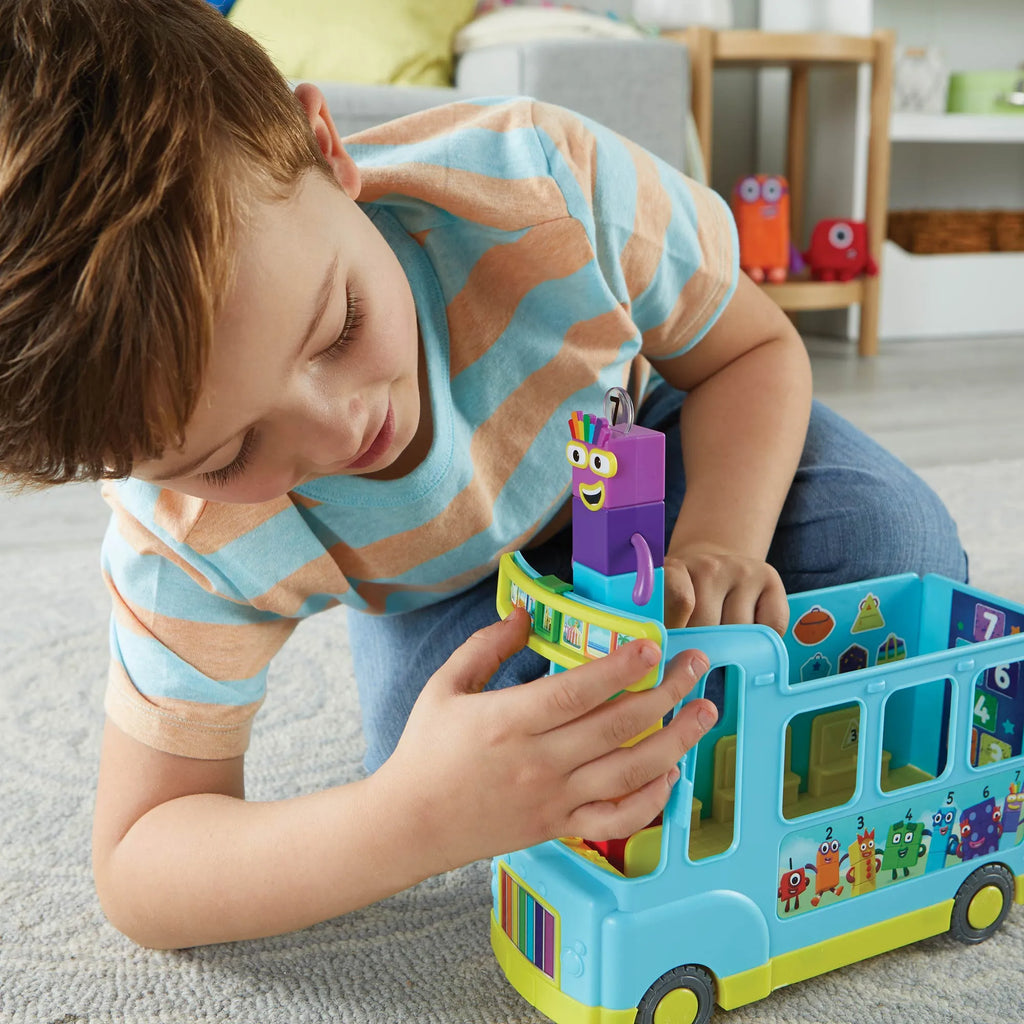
pixel 957 128
pixel 952 161
pixel 961 294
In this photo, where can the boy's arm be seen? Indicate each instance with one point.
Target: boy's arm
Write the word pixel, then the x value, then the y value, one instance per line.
pixel 182 859
pixel 743 428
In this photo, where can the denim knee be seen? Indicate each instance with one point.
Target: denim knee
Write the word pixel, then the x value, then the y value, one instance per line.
pixel 871 526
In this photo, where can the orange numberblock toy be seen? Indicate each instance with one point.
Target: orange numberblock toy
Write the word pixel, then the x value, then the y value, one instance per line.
pixel 760 206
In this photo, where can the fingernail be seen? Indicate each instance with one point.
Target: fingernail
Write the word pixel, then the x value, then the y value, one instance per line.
pixel 673 776
pixel 706 717
pixel 699 665
pixel 650 654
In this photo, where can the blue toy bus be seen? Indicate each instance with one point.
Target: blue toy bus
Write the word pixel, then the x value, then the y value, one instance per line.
pixel 863 788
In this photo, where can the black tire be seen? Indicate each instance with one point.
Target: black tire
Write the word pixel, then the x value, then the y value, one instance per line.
pixel 986 893
pixel 695 981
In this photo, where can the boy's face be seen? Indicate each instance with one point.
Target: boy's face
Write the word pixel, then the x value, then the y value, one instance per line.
pixel 314 365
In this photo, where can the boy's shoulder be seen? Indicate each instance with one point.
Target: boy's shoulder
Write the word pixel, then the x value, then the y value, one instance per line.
pixel 505 163
pixel 204 526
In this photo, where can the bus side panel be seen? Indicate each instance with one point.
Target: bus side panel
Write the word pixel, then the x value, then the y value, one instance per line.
pixel 722 931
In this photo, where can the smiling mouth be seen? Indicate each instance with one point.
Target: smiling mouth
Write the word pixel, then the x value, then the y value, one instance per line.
pixel 592 496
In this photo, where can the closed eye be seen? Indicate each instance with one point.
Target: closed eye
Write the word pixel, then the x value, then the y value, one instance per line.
pixel 237 466
pixel 354 317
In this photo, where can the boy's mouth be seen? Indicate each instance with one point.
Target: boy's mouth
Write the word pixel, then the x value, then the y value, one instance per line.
pixel 380 444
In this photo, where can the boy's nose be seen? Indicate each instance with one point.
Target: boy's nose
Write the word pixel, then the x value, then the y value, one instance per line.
pixel 325 434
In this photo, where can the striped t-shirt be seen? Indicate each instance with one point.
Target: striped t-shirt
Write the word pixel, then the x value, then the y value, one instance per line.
pixel 545 254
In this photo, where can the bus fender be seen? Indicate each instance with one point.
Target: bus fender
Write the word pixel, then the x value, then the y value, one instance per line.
pixel 721 930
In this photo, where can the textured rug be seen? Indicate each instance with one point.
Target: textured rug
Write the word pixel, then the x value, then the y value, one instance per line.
pixel 421 956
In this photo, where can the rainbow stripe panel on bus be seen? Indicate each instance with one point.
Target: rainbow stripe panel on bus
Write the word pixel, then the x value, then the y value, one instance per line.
pixel 529 924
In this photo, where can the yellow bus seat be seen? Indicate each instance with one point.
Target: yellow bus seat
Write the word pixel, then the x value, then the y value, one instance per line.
pixel 723 792
pixel 835 743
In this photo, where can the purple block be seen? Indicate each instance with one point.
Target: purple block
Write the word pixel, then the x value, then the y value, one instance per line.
pixel 619 469
pixel 602 540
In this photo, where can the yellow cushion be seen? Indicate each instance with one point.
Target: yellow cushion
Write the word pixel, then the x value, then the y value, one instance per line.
pixel 382 41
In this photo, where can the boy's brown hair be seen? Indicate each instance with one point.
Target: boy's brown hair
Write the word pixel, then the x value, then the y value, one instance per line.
pixel 131 134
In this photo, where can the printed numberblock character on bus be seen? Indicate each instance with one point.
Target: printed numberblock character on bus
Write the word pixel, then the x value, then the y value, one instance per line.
pixel 827 867
pixel 943 841
pixel 864 864
pixel 791 884
pixel 618 516
pixel 1013 811
pixel 904 847
pixel 981 828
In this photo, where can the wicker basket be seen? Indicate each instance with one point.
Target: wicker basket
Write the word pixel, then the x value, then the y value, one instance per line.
pixel 943 231
pixel 1009 230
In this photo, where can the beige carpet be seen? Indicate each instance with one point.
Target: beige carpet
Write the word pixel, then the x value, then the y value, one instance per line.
pixel 421 956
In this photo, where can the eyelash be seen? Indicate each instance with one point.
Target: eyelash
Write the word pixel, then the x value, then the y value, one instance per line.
pixel 354 318
pixel 236 467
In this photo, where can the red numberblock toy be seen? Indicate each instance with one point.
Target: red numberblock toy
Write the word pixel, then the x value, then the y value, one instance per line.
pixel 839 251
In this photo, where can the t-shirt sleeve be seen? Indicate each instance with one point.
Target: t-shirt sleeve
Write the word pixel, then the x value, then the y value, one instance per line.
pixel 667 245
pixel 190 646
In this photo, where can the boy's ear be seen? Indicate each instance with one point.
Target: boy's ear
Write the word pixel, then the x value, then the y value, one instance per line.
pixel 327 137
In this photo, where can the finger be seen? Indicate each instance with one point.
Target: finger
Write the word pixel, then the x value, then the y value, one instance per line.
pixel 616 819
pixel 566 696
pixel 707 605
pixel 472 664
pixel 679 595
pixel 740 604
pixel 618 721
pixel 772 608
pixel 628 769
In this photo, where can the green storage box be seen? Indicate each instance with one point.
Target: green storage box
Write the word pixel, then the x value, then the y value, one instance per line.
pixel 986 92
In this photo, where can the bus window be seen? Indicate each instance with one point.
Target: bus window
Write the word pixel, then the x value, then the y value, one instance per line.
pixel 823 747
pixel 998 714
pixel 714 779
pixel 915 734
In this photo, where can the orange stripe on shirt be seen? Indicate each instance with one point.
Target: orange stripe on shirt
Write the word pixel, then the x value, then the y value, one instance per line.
pixel 452 117
pixel 573 140
pixel 504 274
pixel 506 204
pixel 212 732
pixel 218 650
pixel 145 543
pixel 643 250
pixel 207 526
pixel 705 290
pixel 320 576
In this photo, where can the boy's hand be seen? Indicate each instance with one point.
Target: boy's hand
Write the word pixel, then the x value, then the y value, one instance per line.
pixel 482 773
pixel 705 586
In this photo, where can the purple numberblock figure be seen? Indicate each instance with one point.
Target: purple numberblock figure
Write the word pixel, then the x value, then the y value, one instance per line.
pixel 618 521
pixel 980 829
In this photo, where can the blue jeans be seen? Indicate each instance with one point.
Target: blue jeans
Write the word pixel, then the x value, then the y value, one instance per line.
pixel 854 512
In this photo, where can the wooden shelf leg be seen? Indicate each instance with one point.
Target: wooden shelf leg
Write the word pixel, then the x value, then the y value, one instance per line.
pixel 877 185
pixel 796 151
pixel 700 42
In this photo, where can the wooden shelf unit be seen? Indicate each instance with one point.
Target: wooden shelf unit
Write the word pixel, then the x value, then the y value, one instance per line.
pixel 799 51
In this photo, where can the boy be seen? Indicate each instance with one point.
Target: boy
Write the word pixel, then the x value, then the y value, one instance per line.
pixel 308 400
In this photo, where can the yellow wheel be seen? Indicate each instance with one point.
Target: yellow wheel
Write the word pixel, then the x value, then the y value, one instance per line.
pixel 684 995
pixel 982 903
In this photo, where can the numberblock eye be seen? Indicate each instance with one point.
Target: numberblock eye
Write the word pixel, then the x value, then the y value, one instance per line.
pixel 576 454
pixel 840 235
pixel 603 463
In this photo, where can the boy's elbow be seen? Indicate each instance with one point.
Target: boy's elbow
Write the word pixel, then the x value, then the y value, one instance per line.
pixel 132 913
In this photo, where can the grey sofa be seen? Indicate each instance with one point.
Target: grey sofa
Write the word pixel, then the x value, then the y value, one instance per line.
pixel 640 88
